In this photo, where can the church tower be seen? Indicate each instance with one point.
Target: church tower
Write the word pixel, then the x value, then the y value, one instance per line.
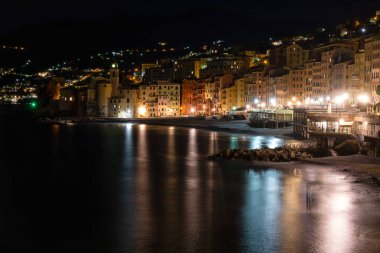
pixel 114 79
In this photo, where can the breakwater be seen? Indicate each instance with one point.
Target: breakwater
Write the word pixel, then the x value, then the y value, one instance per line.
pixel 282 154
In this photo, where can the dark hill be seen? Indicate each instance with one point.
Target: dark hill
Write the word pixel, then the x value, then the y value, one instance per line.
pixel 52 42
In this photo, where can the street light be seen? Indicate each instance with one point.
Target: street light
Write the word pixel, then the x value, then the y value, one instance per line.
pixel 142 110
pixel 363 98
pixel 272 101
pixel 339 99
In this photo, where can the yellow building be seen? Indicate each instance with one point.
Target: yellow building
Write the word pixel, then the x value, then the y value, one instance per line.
pixel 232 96
pixel 356 77
pixel 372 66
pixel 255 89
pixel 211 95
pixel 125 105
pixel 228 99
pixel 240 92
pixel 161 99
pixel 147 100
pixel 297 86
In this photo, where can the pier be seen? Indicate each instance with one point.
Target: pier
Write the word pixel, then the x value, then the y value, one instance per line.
pixel 271 118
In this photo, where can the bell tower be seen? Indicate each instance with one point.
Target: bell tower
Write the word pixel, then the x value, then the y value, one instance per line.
pixel 114 78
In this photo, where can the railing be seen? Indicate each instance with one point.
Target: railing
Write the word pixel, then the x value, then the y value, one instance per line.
pixel 369 133
pixel 323 130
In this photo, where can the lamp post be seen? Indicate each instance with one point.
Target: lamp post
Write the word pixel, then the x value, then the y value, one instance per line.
pixel 338 101
pixel 192 110
pixel 364 99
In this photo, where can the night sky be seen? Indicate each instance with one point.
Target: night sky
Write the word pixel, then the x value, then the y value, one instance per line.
pixel 19 13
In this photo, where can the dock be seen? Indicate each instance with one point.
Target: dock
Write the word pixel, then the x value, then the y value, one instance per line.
pixel 271 118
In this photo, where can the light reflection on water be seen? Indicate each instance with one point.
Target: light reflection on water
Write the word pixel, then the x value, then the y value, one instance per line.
pixel 261 210
pixel 152 189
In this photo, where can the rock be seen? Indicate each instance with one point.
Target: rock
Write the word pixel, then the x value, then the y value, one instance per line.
pixel 348 147
pixel 264 154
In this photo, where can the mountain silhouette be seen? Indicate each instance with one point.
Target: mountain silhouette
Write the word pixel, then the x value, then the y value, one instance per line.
pixel 51 42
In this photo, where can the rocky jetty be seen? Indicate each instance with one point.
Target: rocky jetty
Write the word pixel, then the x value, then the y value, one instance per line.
pixel 264 154
pixel 348 147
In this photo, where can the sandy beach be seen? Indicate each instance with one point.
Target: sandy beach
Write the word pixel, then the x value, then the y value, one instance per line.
pixel 359 169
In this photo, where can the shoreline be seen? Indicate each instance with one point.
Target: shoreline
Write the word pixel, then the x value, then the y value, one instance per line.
pixel 223 125
pixel 360 169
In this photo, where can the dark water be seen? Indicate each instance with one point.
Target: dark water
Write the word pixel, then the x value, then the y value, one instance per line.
pixel 138 188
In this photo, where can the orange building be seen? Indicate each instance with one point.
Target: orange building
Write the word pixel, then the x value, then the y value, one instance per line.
pixel 188 95
pixel 193 97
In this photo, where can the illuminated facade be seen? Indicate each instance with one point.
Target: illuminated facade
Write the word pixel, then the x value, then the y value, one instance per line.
pixel 372 66
pixel 188 96
pixel 123 105
pixel 255 90
pixel 159 99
